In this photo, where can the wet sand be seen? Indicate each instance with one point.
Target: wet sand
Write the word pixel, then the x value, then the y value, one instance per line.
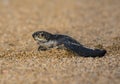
pixel 95 24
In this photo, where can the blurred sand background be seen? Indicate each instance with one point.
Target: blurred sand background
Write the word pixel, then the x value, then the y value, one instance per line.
pixel 94 23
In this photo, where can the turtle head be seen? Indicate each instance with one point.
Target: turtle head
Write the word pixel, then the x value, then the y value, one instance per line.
pixel 42 36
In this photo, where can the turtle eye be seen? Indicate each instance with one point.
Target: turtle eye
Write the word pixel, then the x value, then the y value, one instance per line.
pixel 42 34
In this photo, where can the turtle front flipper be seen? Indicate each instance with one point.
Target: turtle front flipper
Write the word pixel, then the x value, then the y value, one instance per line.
pixel 42 48
pixel 83 51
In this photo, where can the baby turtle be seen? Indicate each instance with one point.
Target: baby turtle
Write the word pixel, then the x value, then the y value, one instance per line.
pixel 47 41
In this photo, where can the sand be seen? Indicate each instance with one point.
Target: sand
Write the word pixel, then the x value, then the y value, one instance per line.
pixel 94 23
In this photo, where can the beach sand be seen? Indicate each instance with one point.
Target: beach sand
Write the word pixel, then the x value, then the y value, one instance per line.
pixel 94 23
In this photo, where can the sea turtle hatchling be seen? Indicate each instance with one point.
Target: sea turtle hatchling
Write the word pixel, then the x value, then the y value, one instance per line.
pixel 47 41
